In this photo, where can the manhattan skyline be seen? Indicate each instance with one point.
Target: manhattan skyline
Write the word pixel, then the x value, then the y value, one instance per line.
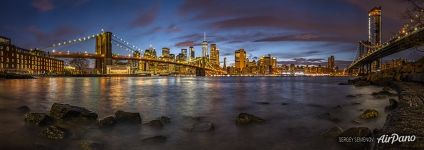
pixel 304 32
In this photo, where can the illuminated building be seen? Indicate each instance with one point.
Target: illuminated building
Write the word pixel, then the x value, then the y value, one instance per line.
pixel 240 60
pixel 330 62
pixel 214 55
pixel 267 64
pixel 192 54
pixel 374 32
pixel 15 59
pixel 184 52
pixel 225 63
pixel 150 52
pixel 165 52
pixel 374 26
pixel 204 46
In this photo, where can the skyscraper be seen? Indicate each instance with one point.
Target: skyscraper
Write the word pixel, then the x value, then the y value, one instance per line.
pixel 331 62
pixel 204 46
pixel 165 52
pixel 214 55
pixel 192 56
pixel 184 53
pixel 225 63
pixel 374 26
pixel 374 32
pixel 240 59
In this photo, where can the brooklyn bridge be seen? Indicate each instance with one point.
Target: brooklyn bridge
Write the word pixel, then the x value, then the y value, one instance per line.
pixel 104 57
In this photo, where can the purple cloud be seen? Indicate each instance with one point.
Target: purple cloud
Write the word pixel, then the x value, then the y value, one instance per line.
pixel 43 5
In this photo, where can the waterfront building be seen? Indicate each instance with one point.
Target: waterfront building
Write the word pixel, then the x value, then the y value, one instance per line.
pixel 225 63
pixel 374 32
pixel 150 52
pixel 204 46
pixel 240 60
pixel 214 55
pixel 16 59
pixel 184 52
pixel 267 64
pixel 165 52
pixel 192 53
pixel 331 62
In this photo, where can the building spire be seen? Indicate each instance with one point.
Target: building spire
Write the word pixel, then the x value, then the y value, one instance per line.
pixel 204 36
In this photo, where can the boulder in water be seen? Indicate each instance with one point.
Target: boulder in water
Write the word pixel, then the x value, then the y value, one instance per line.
pixel 24 109
pixel 245 119
pixel 106 122
pixel 39 119
pixel 202 127
pixel 155 123
pixel 369 114
pixel 66 112
pixel 54 132
pixel 155 139
pixel 392 104
pixel 128 117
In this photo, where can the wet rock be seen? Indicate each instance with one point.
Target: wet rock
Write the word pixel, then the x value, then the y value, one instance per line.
pixel 330 117
pixel 202 127
pixel 392 104
pixel 155 123
pixel 350 96
pixel 356 122
pixel 361 83
pixel 165 119
pixel 39 119
pixel 284 103
pixel 369 114
pixel 245 118
pixel 54 132
pixel 90 145
pixel 262 103
pixel 386 88
pixel 66 112
pixel 383 93
pixel 195 118
pixel 155 139
pixel 356 103
pixel 106 122
pixel 333 132
pixel 342 83
pixel 127 117
pixel 356 132
pixel 24 109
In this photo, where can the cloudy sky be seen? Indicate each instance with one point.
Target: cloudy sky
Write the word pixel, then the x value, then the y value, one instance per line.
pixel 306 31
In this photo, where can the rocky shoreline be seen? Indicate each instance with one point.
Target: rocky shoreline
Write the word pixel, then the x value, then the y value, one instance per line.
pixel 405 118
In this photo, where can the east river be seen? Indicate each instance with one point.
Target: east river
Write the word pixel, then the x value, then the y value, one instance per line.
pixel 295 110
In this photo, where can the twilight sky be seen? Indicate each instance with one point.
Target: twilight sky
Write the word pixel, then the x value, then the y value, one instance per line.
pixel 300 31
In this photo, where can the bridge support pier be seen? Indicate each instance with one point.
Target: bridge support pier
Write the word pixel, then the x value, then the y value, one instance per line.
pixel 104 48
pixel 200 72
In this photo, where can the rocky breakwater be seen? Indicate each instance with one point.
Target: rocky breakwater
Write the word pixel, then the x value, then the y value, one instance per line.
pixel 65 121
pixel 406 118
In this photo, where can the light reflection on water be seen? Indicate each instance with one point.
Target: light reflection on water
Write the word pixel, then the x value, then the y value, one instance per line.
pixel 292 126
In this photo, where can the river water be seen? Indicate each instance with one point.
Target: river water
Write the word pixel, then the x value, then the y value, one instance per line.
pixel 296 125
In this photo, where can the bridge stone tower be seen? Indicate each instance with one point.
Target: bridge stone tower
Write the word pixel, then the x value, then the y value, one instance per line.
pixel 104 49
